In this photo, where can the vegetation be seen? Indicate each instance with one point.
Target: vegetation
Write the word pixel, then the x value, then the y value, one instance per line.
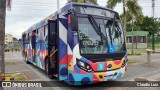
pixel 135 53
pixel 133 12
pixel 9 63
pixel 3 5
pixel 132 61
pixel 150 24
pixel 12 50
pixel 20 77
pixel 157 42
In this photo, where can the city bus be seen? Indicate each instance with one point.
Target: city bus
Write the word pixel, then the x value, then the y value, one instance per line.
pixel 79 44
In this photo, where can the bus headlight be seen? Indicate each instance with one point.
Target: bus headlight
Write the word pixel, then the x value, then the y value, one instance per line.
pixel 124 62
pixel 84 66
pixel 80 63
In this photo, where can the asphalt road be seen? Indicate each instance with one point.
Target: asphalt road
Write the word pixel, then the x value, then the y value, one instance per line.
pixel 135 70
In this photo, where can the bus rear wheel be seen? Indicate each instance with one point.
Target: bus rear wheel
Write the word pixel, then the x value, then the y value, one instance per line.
pixel 26 59
pixel 48 69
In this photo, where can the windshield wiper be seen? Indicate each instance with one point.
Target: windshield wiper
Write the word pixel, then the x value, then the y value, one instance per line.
pixel 97 28
pixel 94 24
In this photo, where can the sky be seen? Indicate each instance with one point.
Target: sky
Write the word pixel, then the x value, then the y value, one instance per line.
pixel 25 13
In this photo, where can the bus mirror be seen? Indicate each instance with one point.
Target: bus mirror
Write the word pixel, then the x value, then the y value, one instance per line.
pixel 74 22
pixel 20 40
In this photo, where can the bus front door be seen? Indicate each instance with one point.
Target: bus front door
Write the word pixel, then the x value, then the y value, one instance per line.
pixel 52 46
pixel 34 46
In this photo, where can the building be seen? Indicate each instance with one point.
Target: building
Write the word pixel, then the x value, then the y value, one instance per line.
pixel 140 39
pixel 8 39
pixel 11 43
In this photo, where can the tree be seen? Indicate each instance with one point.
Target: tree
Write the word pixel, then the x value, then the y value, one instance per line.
pixel 133 12
pixel 3 5
pixel 130 18
pixel 133 9
pixel 152 25
pixel 84 1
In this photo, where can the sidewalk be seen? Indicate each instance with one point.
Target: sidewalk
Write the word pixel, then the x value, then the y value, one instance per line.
pixel 141 68
pixel 14 63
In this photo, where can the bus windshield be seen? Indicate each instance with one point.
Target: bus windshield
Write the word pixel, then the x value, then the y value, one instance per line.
pixel 111 39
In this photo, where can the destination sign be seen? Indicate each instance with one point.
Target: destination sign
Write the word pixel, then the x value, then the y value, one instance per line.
pixel 96 11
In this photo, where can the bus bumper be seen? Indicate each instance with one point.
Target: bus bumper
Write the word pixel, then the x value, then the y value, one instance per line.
pixel 95 77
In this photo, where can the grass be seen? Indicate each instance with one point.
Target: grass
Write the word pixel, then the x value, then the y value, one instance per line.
pixel 132 61
pixel 135 53
pixel 20 77
pixel 156 46
pixel 10 63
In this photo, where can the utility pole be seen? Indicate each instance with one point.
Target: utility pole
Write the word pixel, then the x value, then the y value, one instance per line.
pixel 153 15
pixel 124 11
pixel 132 36
pixel 58 5
pixel 153 8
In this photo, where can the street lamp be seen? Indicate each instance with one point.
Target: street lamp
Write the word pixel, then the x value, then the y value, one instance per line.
pixel 58 6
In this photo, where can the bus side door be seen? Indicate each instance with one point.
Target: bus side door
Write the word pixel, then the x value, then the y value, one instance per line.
pixel 33 46
pixel 52 46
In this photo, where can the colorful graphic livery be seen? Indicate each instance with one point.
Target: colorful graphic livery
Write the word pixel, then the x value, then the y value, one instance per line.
pixel 80 44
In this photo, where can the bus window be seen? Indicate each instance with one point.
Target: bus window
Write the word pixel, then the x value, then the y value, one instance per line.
pixel 24 38
pixel 115 35
pixel 29 37
pixel 90 41
pixel 44 30
pixel 37 35
pixel 52 30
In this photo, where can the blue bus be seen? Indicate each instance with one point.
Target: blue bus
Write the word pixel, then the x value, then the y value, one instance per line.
pixel 80 44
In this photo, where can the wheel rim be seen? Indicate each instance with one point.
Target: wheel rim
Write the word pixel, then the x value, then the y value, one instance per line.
pixel 47 67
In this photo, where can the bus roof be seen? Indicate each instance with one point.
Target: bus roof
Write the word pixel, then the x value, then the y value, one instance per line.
pixel 66 7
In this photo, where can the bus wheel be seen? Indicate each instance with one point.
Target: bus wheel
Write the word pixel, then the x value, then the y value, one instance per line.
pixel 26 59
pixel 48 69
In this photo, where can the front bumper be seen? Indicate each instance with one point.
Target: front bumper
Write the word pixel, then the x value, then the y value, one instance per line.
pixel 90 78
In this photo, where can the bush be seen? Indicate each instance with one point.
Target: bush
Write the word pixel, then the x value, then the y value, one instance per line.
pixel 6 50
pixel 135 53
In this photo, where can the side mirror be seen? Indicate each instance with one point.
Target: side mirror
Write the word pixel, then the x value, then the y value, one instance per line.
pixel 74 22
pixel 74 33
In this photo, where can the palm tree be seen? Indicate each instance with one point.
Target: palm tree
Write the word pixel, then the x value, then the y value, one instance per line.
pixel 112 3
pixel 84 1
pixel 134 11
pixel 133 8
pixel 3 5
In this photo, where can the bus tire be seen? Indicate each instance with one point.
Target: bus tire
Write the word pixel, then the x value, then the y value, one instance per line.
pixel 26 59
pixel 47 68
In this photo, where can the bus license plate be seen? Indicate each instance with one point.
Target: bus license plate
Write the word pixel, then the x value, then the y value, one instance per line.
pixel 108 77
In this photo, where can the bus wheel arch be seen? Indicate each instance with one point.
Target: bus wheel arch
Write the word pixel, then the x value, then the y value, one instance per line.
pixel 26 58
